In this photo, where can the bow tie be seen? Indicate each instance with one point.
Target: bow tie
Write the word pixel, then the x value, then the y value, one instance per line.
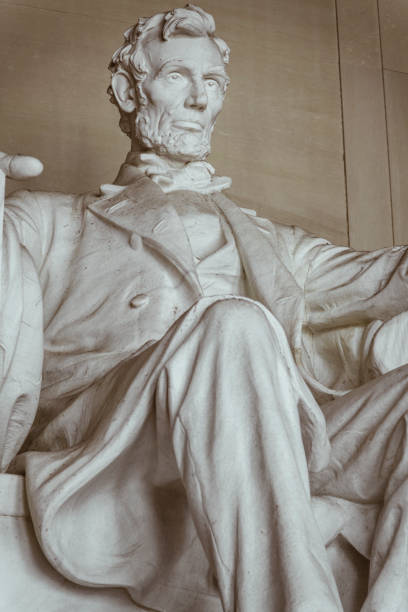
pixel 196 176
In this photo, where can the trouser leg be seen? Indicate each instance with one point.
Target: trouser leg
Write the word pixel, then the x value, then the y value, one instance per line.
pixel 369 463
pixel 233 406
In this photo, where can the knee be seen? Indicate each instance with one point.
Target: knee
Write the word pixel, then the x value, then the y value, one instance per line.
pixel 237 317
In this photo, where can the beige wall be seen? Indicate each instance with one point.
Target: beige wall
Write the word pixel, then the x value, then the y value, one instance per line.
pixel 394 37
pixel 302 70
pixel 373 47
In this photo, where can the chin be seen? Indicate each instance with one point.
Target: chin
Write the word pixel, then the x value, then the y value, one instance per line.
pixel 174 144
pixel 184 153
pixel 180 147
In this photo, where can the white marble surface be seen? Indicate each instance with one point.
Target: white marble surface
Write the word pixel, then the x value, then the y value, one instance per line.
pixel 27 581
pixel 175 443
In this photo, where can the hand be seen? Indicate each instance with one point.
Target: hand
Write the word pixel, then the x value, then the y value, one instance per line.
pixel 388 348
pixel 20 166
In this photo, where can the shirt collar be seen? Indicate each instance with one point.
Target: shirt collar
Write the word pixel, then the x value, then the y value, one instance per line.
pixel 193 176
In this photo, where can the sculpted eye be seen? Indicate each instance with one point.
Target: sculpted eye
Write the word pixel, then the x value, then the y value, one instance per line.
pixel 174 77
pixel 211 83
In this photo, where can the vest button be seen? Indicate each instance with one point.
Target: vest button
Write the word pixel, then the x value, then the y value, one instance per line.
pixel 139 300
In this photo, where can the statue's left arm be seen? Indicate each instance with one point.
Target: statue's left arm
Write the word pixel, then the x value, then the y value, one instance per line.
pixel 361 298
pixel 347 287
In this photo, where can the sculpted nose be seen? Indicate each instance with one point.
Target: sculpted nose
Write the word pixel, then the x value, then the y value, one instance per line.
pixel 197 97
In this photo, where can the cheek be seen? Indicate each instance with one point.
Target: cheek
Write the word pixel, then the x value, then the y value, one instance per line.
pixel 163 98
pixel 216 104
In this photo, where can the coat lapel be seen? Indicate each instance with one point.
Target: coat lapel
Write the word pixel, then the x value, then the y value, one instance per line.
pixel 142 210
pixel 268 277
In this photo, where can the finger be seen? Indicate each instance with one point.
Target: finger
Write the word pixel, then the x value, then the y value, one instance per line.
pixel 20 166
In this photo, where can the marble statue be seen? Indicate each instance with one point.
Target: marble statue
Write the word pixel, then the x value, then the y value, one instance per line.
pixel 199 398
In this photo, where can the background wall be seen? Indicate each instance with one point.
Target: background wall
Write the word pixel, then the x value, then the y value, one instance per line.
pixel 314 130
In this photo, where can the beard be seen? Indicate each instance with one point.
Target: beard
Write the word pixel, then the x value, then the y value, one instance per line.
pixel 157 134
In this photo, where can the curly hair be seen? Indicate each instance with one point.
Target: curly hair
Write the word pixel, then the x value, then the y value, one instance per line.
pixel 130 57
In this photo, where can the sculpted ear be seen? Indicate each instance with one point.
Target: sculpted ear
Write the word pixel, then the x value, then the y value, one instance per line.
pixel 124 91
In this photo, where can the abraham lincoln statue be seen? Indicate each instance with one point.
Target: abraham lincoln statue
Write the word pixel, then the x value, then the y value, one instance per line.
pixel 198 396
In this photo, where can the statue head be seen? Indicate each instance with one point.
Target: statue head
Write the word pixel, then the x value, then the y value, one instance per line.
pixel 169 82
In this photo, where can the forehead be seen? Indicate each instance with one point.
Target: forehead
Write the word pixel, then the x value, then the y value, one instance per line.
pixel 199 53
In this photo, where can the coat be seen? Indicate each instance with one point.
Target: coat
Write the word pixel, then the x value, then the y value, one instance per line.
pixel 95 281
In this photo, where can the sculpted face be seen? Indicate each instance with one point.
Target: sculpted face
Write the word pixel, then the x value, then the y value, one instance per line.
pixel 185 91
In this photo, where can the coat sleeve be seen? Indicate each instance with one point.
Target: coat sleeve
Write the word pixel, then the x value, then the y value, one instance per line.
pixel 350 297
pixel 21 322
pixel 347 287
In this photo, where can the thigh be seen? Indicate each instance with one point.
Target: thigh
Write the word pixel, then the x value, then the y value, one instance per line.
pixel 367 431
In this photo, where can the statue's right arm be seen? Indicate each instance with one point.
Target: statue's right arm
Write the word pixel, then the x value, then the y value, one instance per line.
pixel 21 310
pixel 17 167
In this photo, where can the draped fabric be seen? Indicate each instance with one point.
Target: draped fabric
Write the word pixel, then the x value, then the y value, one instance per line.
pixel 21 342
pixel 155 484
pixel 116 278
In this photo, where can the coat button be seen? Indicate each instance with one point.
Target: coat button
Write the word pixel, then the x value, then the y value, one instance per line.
pixel 139 300
pixel 135 241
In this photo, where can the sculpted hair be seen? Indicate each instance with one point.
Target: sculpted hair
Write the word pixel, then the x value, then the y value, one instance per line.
pixel 130 57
